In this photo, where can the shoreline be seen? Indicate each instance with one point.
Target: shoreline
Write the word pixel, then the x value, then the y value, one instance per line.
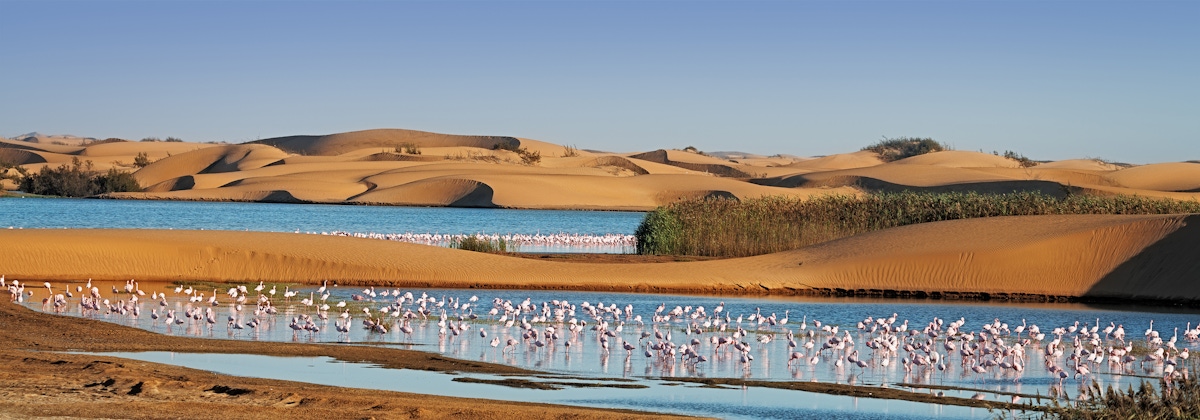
pixel 56 351
pixel 18 194
pixel 48 382
pixel 1100 259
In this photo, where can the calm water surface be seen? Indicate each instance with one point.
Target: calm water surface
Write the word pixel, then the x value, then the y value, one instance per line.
pixel 272 217
pixel 658 396
pixel 437 321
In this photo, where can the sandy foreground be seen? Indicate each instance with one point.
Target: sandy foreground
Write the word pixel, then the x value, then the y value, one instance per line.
pixel 40 381
pixel 1082 256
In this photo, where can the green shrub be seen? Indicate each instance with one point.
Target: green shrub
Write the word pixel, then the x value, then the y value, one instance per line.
pixel 1024 161
pixel 732 228
pixel 904 147
pixel 479 244
pixel 409 148
pixel 141 160
pixel 77 179
pixel 529 158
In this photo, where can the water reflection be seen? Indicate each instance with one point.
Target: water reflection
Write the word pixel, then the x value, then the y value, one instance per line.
pixel 736 403
pixel 1003 352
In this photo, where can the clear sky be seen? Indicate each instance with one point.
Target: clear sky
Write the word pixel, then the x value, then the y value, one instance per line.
pixel 1050 80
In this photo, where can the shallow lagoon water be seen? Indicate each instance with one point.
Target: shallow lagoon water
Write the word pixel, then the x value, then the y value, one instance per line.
pixel 731 403
pixel 586 354
pixel 28 213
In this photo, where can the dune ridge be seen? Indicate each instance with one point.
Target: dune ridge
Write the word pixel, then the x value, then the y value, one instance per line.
pixel 335 144
pixel 1043 257
pixel 416 168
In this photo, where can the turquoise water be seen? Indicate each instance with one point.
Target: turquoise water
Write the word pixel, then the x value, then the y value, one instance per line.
pixel 30 213
pixel 271 217
pixel 507 327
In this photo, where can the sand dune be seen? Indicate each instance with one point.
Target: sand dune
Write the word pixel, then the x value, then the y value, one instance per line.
pixel 45 147
pixel 1080 164
pixel 209 160
pixel 20 156
pixel 1129 257
pixel 1172 177
pixel 860 159
pixel 335 144
pixel 446 173
pixel 960 159
pixel 693 161
pixel 372 166
pixel 127 150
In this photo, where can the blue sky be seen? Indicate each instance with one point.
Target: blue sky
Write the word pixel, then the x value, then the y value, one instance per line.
pixel 1051 80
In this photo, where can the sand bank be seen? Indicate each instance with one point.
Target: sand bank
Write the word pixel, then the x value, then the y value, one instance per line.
pixel 1098 257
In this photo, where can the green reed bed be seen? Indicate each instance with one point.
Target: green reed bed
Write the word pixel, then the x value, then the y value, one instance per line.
pixel 1178 399
pixel 480 244
pixel 732 228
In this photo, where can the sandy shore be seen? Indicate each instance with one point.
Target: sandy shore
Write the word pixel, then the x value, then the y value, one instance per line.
pixel 1029 257
pixel 39 381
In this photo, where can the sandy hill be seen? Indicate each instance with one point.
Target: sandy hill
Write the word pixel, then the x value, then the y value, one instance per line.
pixel 461 171
pixel 958 171
pixel 103 155
pixel 386 139
pixel 1175 177
pixel 1126 257
pixel 960 159
pixel 693 161
pixel 1080 164
pixel 860 159
pixel 406 167
pixel 57 139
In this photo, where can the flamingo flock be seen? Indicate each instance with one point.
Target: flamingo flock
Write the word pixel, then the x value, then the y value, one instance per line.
pixel 610 240
pixel 668 340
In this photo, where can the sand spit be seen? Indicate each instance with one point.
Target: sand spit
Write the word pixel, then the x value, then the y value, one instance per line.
pixel 44 383
pixel 1029 257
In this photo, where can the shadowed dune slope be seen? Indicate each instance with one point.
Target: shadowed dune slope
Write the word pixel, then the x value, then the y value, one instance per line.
pixel 432 192
pixel 694 162
pixel 231 158
pixel 16 156
pixel 49 148
pixel 387 139
pixel 1047 255
pixel 1155 257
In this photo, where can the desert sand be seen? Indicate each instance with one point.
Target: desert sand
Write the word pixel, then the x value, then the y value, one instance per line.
pixel 1089 257
pixel 407 167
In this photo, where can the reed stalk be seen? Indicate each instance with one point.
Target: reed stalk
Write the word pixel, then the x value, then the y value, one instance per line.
pixel 733 228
